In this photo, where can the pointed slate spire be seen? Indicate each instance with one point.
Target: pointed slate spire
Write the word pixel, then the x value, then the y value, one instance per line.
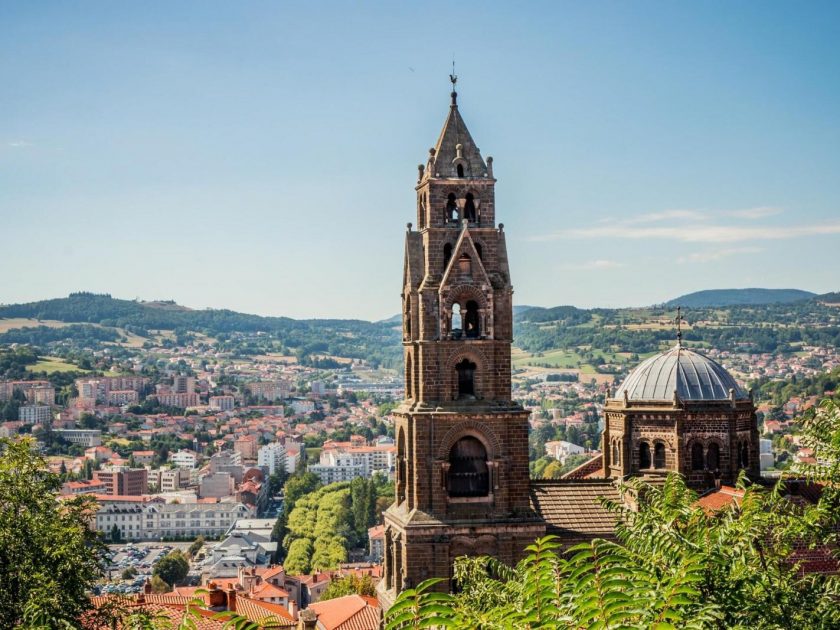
pixel 455 146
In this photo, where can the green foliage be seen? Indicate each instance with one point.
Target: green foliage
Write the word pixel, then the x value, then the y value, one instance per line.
pixel 197 544
pixel 672 566
pixel 49 557
pixel 128 573
pixel 349 585
pixel 172 568
pixel 332 519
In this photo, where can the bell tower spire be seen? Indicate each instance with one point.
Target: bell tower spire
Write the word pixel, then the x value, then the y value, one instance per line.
pixel 462 443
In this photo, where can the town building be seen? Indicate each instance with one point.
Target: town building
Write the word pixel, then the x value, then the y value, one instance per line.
pixel 122 397
pixel 183 458
pixel 150 518
pixel 122 480
pixel 35 414
pixel 270 390
pixel 272 457
pixel 36 392
pixel 83 437
pixel 221 403
pixel 560 450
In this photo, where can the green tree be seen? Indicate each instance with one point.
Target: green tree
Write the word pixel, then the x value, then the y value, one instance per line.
pixel 49 557
pixel 129 573
pixel 116 535
pixel 349 585
pixel 159 585
pixel 197 544
pixel 172 568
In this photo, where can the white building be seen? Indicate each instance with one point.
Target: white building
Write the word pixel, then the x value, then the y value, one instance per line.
pixel 221 403
pixel 149 518
pixel 303 406
pixel 765 457
pixel 172 479
pixel 122 397
pixel 85 437
pixel 183 458
pixel 560 450
pixel 272 457
pixel 35 414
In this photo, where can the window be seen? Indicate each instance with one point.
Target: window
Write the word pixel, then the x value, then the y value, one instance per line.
pixel 615 454
pixel 644 455
pixel 409 379
pixel 465 264
pixel 713 456
pixel 460 170
pixel 744 455
pixel 469 208
pixel 697 456
pixel 659 455
pixel 401 468
pixel 451 208
pixel 447 255
pixel 471 321
pixel 469 475
pixel 456 320
pixel 466 376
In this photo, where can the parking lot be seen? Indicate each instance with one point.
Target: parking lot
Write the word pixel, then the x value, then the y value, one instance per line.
pixel 141 557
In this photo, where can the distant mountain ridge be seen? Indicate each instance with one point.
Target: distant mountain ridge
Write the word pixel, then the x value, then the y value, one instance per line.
pixel 739 297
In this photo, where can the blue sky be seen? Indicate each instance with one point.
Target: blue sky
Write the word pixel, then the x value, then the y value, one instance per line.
pixel 262 156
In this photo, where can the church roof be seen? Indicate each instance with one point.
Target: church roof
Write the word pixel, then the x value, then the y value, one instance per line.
pixel 453 134
pixel 688 373
pixel 572 509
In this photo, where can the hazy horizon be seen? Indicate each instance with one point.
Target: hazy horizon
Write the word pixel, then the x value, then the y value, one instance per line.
pixel 262 157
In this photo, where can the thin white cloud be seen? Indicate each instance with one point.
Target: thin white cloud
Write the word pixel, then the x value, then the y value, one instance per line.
pixel 591 265
pixel 667 215
pixel 19 144
pixel 718 254
pixel 697 233
pixel 755 213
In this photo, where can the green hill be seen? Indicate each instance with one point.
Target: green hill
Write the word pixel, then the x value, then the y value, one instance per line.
pixel 735 297
pixel 351 338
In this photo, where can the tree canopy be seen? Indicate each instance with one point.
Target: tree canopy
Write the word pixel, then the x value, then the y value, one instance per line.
pixel 49 557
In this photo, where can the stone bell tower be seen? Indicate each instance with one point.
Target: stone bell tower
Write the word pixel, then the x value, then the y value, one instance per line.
pixel 462 484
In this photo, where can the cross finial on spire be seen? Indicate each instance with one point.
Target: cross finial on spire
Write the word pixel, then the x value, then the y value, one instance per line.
pixel 453 78
pixel 678 320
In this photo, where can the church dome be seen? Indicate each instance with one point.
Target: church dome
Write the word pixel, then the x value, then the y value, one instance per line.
pixel 686 372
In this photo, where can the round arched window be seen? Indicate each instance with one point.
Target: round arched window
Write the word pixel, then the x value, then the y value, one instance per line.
pixel 469 475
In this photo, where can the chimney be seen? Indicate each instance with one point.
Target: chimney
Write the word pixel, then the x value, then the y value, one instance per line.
pixel 231 599
pixel 215 597
pixel 308 620
pixel 147 587
pixel 293 609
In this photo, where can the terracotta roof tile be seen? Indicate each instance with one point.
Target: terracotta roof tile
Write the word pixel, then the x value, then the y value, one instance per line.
pixel 572 508
pixel 351 612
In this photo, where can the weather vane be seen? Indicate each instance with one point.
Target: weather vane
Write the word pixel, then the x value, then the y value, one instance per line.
pixel 453 77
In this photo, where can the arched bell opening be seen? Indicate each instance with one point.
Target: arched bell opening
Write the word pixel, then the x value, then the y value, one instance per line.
pixel 472 324
pixel 451 208
pixel 469 474
pixel 469 208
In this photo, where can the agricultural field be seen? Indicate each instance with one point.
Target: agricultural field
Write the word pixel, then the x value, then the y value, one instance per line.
pixel 53 364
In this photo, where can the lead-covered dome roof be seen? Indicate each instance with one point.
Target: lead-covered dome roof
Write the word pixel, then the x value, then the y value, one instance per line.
pixel 689 373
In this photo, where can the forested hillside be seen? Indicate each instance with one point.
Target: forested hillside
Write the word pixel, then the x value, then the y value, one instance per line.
pixel 733 297
pixel 97 319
